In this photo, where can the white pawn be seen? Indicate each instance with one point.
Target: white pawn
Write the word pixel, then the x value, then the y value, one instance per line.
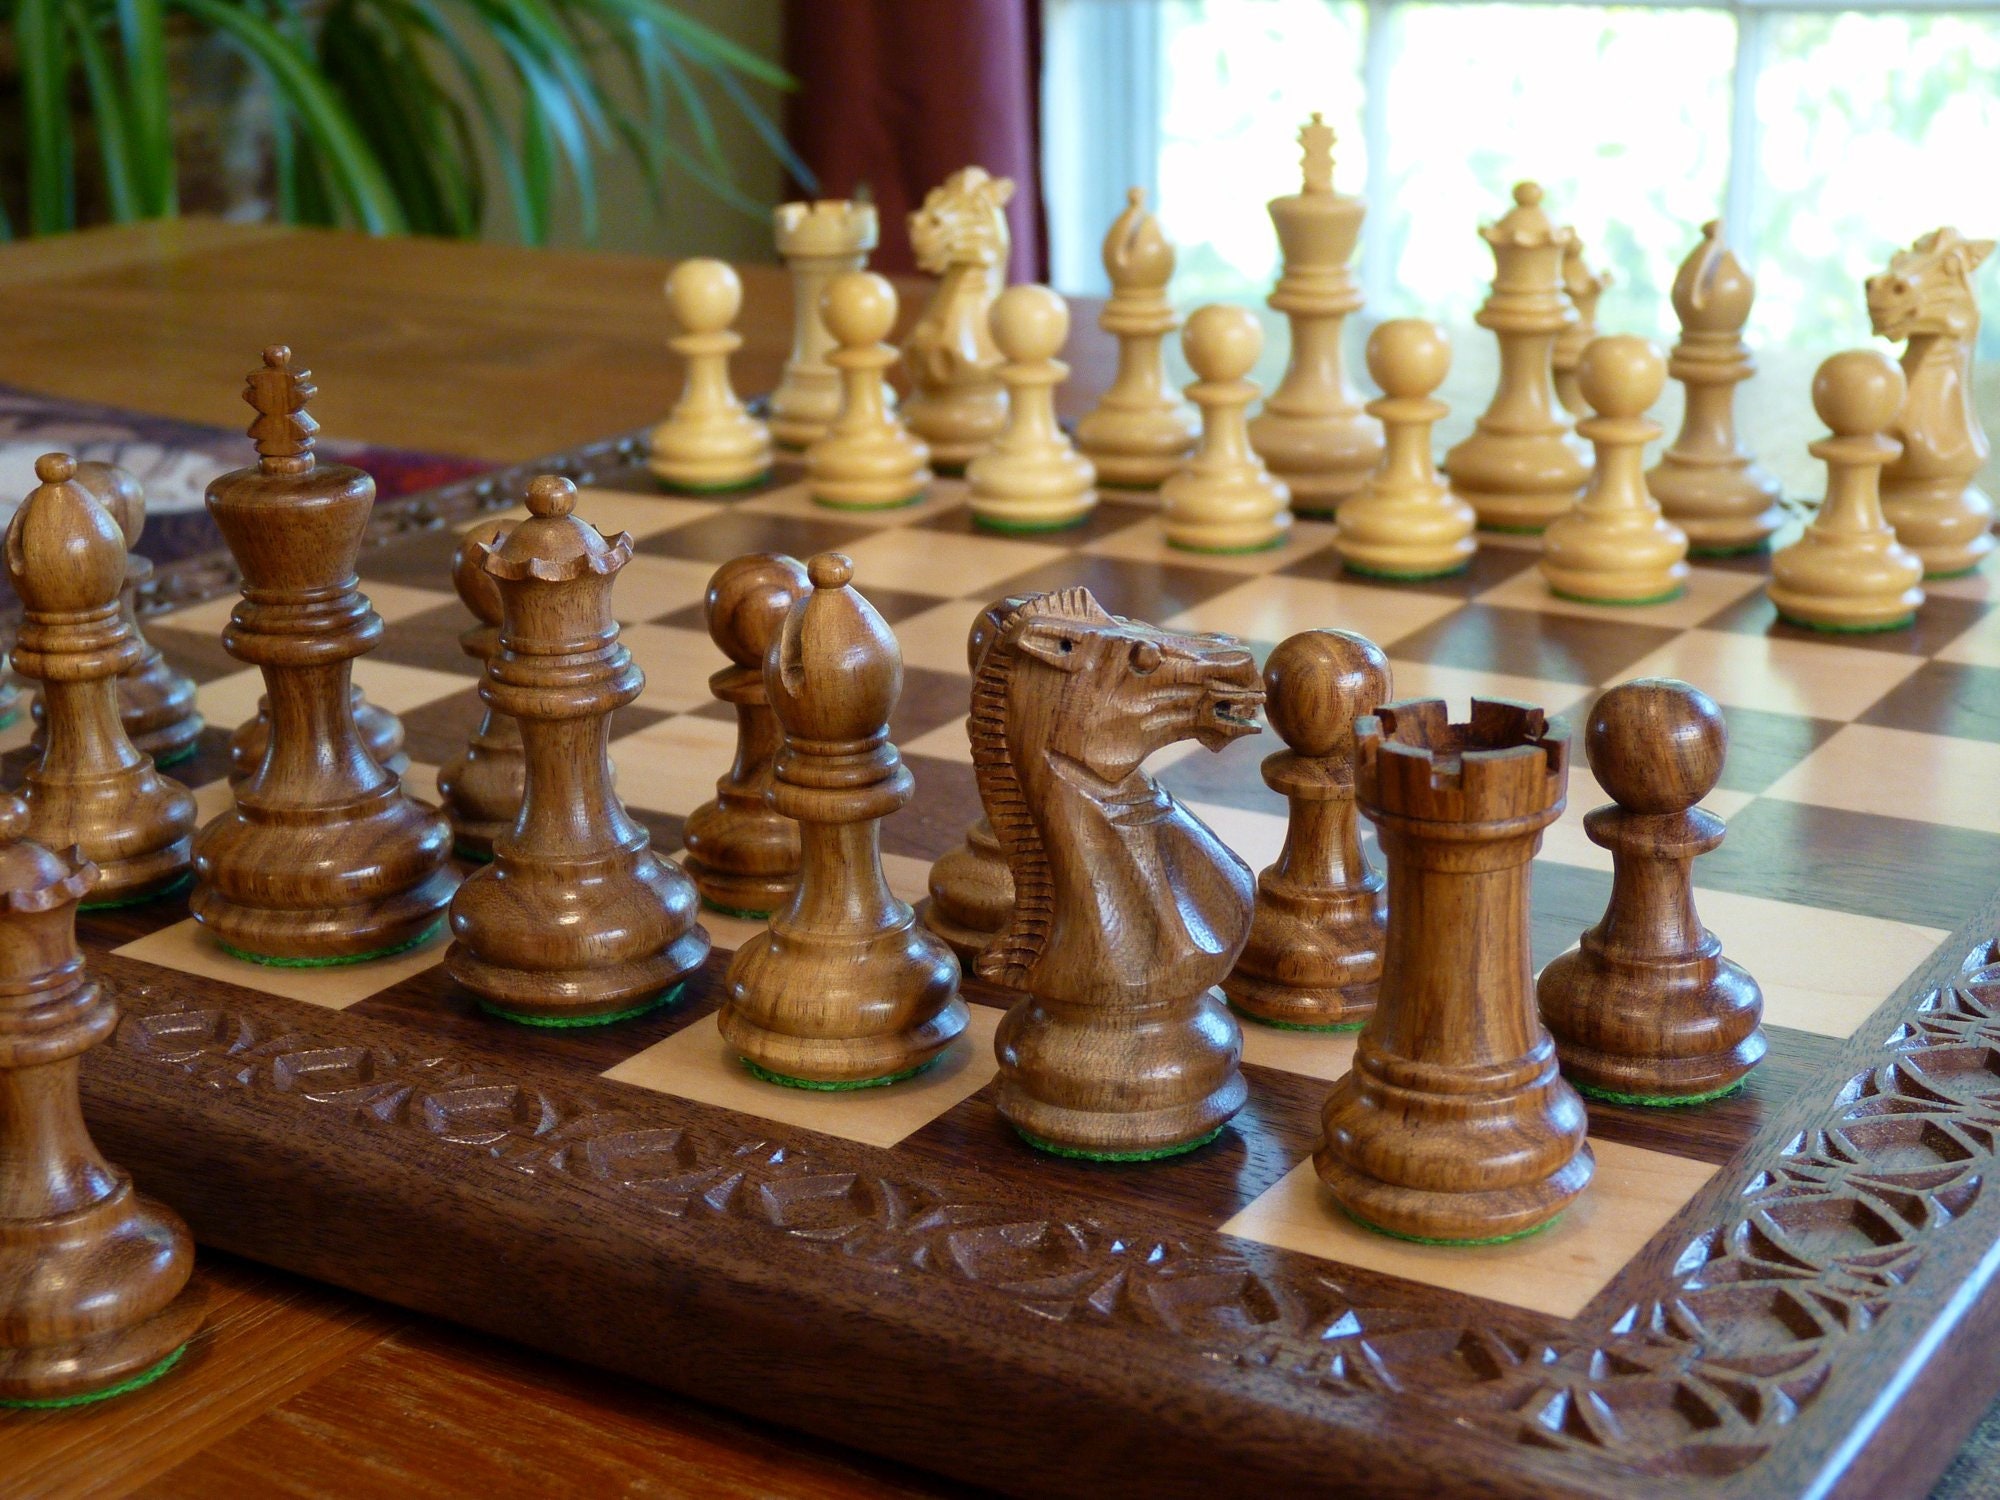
pixel 866 459
pixel 1848 572
pixel 1614 546
pixel 708 441
pixel 1030 478
pixel 1224 499
pixel 1405 522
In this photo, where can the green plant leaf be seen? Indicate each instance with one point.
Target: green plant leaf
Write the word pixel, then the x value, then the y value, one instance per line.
pixel 767 130
pixel 142 36
pixel 39 42
pixel 322 119
pixel 107 103
pixel 700 41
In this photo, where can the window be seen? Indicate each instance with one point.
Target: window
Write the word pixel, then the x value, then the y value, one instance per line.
pixel 1825 138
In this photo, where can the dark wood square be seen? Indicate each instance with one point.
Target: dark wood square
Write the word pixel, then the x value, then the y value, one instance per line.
pixel 1525 643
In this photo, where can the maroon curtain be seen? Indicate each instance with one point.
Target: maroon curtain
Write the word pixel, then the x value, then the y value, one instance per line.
pixel 898 94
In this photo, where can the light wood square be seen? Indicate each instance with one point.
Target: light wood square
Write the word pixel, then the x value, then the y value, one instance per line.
pixel 1709 591
pixel 1325 1055
pixel 391 685
pixel 1564 840
pixel 1255 837
pixel 648 587
pixel 1979 646
pixel 1458 686
pixel 1557 1271
pixel 672 766
pixel 1145 541
pixel 392 601
pixel 1981 583
pixel 935 639
pixel 677 664
pixel 1819 679
pixel 228 701
pixel 1898 773
pixel 1269 609
pixel 943 563
pixel 695 1063
pixel 946 742
pixel 796 501
pixel 187 948
pixel 613 511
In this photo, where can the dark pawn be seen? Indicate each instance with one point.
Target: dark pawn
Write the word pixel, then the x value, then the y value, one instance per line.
pixel 93 1277
pixel 481 790
pixel 1647 1010
pixel 576 921
pixel 744 855
pixel 1314 958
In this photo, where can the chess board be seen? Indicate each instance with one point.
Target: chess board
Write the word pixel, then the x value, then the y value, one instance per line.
pixel 1786 1291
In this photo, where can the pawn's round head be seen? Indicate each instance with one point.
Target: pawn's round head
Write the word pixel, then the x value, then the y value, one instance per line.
pixel 474 584
pixel 748 599
pixel 551 495
pixel 1621 375
pixel 1656 745
pixel 1858 391
pixel 1317 683
pixel 1408 357
pixel 1222 342
pixel 858 307
pixel 119 492
pixel 1030 323
pixel 704 295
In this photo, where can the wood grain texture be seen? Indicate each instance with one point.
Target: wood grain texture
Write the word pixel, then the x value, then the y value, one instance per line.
pixel 1127 910
pixel 482 787
pixel 1647 1007
pixel 959 236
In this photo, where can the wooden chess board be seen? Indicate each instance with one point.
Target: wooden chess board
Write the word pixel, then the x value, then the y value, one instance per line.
pixel 1787 1291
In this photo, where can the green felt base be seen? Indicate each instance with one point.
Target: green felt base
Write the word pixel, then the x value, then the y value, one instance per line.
pixel 1656 1101
pixel 574 1023
pixel 1955 573
pixel 824 1086
pixel 124 1387
pixel 737 486
pixel 1158 1153
pixel 1515 530
pixel 1027 528
pixel 1390 577
pixel 333 963
pixel 1296 1025
pixel 892 505
pixel 1902 623
pixel 160 763
pixel 9 717
pixel 1746 550
pixel 1418 1239
pixel 1667 598
pixel 1276 541
pixel 475 856
pixel 731 911
pixel 164 893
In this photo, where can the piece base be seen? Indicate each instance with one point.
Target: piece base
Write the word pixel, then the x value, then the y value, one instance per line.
pixel 123 1387
pixel 1254 547
pixel 673 487
pixel 920 495
pixel 186 752
pixel 1027 528
pixel 1251 1015
pixel 1388 575
pixel 1499 530
pixel 1737 549
pixel 1418 1239
pixel 476 856
pixel 1154 1153
pixel 338 960
pixel 8 718
pixel 744 913
pixel 568 1023
pixel 1901 622
pixel 1667 598
pixel 1655 1101
pixel 834 1086
pixel 1930 577
pixel 170 889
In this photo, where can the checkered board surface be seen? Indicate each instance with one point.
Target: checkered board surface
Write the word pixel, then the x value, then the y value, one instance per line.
pixel 1857 793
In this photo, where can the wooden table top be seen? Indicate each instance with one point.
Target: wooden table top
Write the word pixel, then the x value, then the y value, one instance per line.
pixel 488 351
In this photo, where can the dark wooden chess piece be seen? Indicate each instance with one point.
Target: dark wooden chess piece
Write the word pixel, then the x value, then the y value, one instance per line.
pixel 742 853
pixel 155 702
pixel 844 989
pixel 1315 951
pixel 1647 1010
pixel 576 921
pixel 481 790
pixel 972 892
pixel 1454 1123
pixel 90 788
pixel 1128 911
pixel 93 1277
pixel 321 858
pixel 381 735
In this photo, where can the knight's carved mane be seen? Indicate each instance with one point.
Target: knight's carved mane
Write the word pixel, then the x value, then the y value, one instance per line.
pixel 1008 957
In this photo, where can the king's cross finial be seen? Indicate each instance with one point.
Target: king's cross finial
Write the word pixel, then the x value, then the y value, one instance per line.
pixel 1317 138
pixel 283 431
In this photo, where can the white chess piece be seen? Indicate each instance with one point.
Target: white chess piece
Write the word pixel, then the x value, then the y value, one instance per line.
pixel 1030 478
pixel 708 441
pixel 866 459
pixel 1224 500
